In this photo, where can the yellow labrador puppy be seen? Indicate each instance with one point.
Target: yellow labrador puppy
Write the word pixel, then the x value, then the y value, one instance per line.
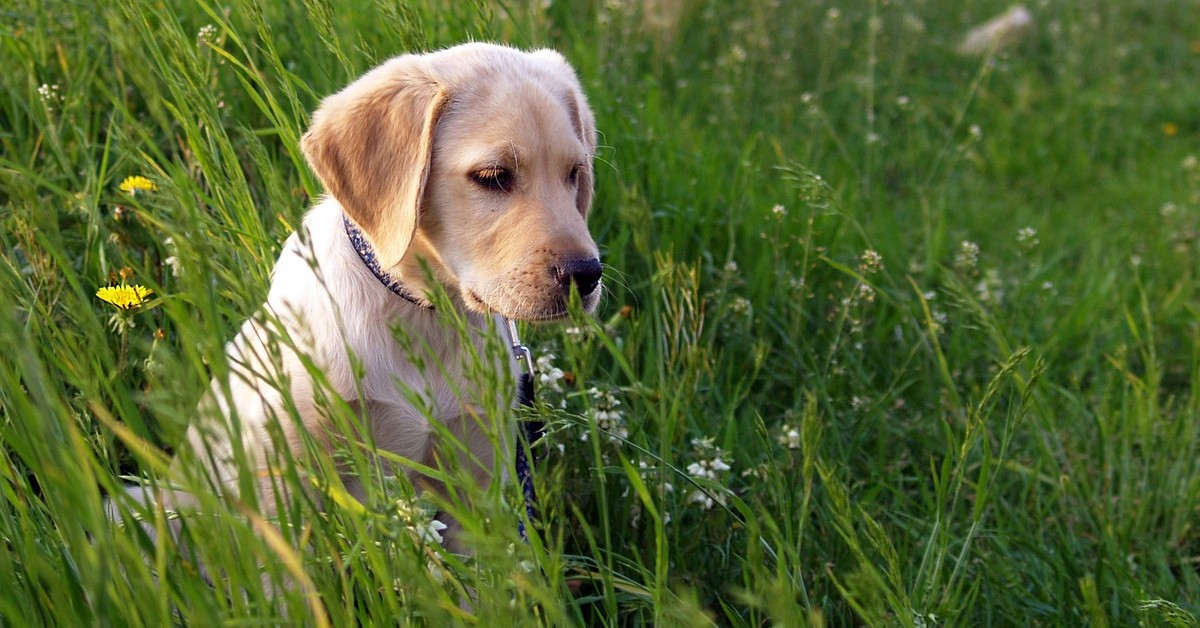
pixel 475 162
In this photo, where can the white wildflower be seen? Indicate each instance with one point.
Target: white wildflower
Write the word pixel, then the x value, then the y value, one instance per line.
pixel 431 532
pixel 419 521
pixel 207 34
pixel 865 293
pixel 50 95
pixel 172 260
pixel 608 419
pixel 968 256
pixel 549 376
pixel 870 262
pixel 1027 237
pixel 710 465
pixel 789 437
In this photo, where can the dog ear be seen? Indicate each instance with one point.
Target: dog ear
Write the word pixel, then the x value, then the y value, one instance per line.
pixel 371 144
pixel 581 119
pixel 585 125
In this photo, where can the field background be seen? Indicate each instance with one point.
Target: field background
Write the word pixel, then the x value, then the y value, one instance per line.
pixel 935 315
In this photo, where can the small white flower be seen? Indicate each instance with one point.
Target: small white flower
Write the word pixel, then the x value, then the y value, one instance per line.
pixel 866 293
pixel 709 464
pixel 779 210
pixel 902 101
pixel 731 267
pixel 50 95
pixel 1028 237
pixel 790 437
pixel 870 262
pixel 968 256
pixel 431 532
pixel 419 521
pixel 207 33
pixel 608 419
pixel 549 375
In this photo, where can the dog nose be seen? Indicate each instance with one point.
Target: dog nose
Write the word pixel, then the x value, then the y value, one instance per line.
pixel 584 273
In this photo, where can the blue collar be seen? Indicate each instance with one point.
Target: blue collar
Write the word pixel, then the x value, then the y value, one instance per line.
pixel 361 246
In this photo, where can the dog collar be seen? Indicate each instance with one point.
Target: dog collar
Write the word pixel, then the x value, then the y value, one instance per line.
pixel 367 254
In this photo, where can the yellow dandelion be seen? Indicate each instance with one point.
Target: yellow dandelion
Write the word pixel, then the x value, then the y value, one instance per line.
pixel 133 185
pixel 124 296
pixel 1170 129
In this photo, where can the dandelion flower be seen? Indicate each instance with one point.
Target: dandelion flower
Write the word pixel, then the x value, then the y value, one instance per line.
pixel 1170 129
pixel 133 185
pixel 124 296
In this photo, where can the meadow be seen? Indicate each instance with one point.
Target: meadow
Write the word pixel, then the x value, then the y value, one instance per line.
pixel 892 335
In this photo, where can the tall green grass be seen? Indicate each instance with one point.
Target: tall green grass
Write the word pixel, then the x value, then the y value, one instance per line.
pixel 937 315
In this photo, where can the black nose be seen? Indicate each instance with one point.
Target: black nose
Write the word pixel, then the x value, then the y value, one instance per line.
pixel 584 273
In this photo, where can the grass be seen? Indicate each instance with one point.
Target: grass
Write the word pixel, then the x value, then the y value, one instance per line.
pixel 938 316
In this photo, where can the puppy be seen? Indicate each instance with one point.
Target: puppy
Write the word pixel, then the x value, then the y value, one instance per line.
pixel 471 166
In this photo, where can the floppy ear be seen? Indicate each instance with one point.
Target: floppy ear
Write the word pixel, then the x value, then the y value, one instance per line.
pixel 370 145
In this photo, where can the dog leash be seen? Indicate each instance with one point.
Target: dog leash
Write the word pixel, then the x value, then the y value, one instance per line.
pixel 531 430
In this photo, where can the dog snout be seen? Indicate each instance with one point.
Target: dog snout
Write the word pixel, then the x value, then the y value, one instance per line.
pixel 584 273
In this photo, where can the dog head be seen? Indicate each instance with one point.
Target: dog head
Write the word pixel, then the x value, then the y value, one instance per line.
pixel 475 160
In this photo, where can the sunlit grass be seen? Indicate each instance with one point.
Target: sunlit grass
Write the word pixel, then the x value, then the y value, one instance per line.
pixel 891 335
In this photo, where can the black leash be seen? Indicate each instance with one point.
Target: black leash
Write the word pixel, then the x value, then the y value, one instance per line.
pixel 531 430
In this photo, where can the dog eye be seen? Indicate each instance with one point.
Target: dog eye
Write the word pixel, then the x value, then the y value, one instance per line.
pixel 493 178
pixel 573 175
